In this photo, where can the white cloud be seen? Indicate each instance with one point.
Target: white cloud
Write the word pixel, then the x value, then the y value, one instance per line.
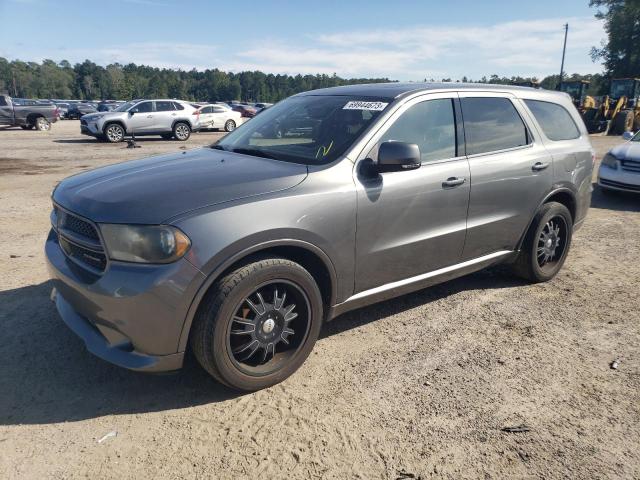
pixel 527 48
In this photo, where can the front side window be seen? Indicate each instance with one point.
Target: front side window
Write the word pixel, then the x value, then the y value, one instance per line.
pixel 431 125
pixel 555 121
pixel 492 124
pixel 206 110
pixel 309 129
pixel 143 107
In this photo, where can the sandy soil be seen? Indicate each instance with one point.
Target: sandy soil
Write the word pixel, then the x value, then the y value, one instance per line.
pixel 417 387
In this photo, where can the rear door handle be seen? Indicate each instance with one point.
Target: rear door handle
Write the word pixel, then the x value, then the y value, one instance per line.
pixel 453 182
pixel 539 166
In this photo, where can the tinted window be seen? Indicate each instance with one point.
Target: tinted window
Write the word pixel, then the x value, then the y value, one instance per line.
pixel 164 106
pixel 218 110
pixel 207 110
pixel 177 106
pixel 3 102
pixel 431 125
pixel 143 107
pixel 555 121
pixel 492 124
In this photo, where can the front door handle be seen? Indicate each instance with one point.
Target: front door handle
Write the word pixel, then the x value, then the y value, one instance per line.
pixel 538 166
pixel 453 182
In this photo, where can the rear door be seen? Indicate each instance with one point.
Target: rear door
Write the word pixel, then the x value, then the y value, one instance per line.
pixel 164 116
pixel 6 111
pixel 511 172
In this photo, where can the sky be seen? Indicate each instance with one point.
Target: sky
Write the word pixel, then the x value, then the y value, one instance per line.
pixel 399 39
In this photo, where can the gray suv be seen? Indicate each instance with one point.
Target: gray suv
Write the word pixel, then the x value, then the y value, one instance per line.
pixel 167 118
pixel 241 250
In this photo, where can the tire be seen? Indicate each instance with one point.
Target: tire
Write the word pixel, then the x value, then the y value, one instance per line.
pixel 181 131
pixel 220 348
pixel 622 122
pixel 42 124
pixel 528 264
pixel 114 133
pixel 229 126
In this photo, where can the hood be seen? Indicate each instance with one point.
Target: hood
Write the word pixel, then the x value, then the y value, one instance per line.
pixel 90 117
pixel 153 190
pixel 627 151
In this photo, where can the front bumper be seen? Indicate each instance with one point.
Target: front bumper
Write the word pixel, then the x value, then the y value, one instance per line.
pixel 88 128
pixel 131 315
pixel 619 179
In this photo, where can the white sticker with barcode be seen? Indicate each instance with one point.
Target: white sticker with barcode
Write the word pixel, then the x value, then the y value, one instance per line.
pixel 360 105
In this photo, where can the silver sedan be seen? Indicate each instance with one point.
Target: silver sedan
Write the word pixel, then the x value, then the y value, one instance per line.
pixel 620 167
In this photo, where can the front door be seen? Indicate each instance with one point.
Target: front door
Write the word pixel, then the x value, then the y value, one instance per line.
pixel 141 118
pixel 413 222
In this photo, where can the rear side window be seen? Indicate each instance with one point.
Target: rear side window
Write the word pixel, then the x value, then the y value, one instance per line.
pixel 492 124
pixel 178 106
pixel 163 106
pixel 555 121
pixel 431 125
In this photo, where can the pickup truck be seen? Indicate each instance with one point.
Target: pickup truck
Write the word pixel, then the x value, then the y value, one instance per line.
pixel 27 117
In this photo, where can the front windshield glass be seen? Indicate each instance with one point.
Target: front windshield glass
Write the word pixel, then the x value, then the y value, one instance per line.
pixel 621 88
pixel 308 129
pixel 636 137
pixel 125 106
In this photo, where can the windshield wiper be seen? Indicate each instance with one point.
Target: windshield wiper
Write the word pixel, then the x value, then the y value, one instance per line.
pixel 255 152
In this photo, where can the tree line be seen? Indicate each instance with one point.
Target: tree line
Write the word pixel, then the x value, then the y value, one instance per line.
pixel 89 81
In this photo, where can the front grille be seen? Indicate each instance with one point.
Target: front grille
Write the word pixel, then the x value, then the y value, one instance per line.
pixel 630 166
pixel 77 225
pixel 95 260
pixel 626 186
pixel 80 241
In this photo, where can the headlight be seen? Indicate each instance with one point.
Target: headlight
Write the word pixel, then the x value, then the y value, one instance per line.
pixel 144 243
pixel 610 161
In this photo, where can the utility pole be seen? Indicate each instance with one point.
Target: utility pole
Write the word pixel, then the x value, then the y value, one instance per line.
pixel 564 50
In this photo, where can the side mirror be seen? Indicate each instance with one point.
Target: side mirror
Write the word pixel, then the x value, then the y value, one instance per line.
pixel 131 112
pixel 628 135
pixel 397 156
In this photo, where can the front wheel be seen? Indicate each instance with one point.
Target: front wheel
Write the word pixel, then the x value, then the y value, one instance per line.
pixel 229 126
pixel 42 124
pixel 114 133
pixel 258 324
pixel 181 131
pixel 546 245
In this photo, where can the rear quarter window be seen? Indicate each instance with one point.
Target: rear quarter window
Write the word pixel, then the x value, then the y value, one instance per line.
pixel 556 123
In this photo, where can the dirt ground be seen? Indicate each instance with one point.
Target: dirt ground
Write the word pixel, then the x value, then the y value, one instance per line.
pixel 417 387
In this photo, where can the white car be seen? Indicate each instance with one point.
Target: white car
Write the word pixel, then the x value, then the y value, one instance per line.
pixel 219 117
pixel 620 167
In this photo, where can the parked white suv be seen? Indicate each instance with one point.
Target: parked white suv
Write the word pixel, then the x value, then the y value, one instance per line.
pixel 167 118
pixel 219 117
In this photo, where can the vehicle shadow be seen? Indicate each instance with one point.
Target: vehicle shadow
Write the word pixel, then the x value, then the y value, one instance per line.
pixel 47 376
pixel 614 200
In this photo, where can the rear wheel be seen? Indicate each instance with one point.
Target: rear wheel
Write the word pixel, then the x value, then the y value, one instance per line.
pixel 114 133
pixel 546 245
pixel 42 124
pixel 181 131
pixel 258 324
pixel 229 126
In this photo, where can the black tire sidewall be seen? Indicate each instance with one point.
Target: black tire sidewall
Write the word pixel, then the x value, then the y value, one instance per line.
pixel 220 354
pixel 547 212
pixel 227 123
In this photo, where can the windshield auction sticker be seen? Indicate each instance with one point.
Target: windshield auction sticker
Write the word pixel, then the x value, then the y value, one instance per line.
pixel 358 105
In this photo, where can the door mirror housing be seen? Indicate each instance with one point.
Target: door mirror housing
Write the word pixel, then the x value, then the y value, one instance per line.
pixel 628 135
pixel 398 156
pixel 131 112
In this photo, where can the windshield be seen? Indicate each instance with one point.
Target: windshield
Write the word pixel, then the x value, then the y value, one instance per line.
pixel 636 137
pixel 308 129
pixel 621 88
pixel 125 106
